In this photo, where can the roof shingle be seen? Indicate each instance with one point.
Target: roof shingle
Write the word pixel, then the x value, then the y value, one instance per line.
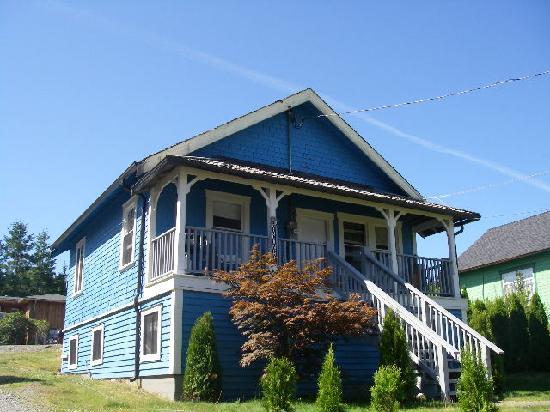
pixel 507 242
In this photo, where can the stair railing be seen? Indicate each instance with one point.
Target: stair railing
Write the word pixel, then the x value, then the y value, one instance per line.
pixel 453 330
pixel 426 348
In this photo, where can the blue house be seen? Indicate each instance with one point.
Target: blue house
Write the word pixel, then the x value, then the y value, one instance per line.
pixel 293 178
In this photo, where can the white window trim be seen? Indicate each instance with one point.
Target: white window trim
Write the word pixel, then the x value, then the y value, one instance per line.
pixel 132 203
pixel 80 244
pixel 326 216
pixel 372 223
pixel 152 356
pixel 243 201
pixel 73 366
pixel 520 269
pixel 100 360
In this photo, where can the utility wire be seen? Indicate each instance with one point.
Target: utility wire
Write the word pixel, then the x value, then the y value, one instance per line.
pixel 443 96
pixel 525 212
pixel 489 186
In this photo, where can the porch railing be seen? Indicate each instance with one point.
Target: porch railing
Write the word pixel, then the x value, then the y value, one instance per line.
pixel 163 254
pixel 213 249
pixel 430 275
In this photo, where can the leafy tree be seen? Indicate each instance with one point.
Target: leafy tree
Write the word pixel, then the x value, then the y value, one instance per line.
pixel 279 385
pixel 202 376
pixel 386 388
pixel 539 338
pixel 329 397
pixel 475 389
pixel 284 311
pixel 394 351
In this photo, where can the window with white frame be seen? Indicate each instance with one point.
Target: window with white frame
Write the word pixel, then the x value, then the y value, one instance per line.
pixel 97 345
pixel 79 266
pixel 150 334
pixel 128 234
pixel 227 211
pixel 73 351
pixel 510 280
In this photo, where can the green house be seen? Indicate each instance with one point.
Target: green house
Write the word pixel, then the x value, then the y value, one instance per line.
pixel 489 267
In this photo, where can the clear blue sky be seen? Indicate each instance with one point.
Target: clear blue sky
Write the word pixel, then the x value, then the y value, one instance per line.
pixel 86 87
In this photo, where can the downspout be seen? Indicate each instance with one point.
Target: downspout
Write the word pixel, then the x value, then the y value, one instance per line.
pixel 289 116
pixel 140 275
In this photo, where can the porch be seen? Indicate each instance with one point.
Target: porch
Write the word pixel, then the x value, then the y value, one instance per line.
pixel 200 222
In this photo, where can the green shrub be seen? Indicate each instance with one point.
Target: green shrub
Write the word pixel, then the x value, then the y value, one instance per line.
pixel 385 392
pixel 202 377
pixel 329 396
pixel 539 338
pixel 38 331
pixel 14 329
pixel 515 359
pixel 394 351
pixel 279 385
pixel 475 389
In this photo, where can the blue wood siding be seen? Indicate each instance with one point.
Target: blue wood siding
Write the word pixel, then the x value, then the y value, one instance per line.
pixel 104 286
pixel 318 148
pixel 358 358
pixel 119 344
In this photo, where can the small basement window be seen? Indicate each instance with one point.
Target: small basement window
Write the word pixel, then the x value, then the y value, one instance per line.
pixel 97 345
pixel 150 334
pixel 127 235
pixel 73 352
pixel 79 266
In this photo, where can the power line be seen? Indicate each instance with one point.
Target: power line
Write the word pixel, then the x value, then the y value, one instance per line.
pixel 525 212
pixel 441 97
pixel 489 186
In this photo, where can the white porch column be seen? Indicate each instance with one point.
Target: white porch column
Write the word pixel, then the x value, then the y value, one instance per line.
pixel 392 216
pixel 272 203
pixel 448 224
pixel 184 187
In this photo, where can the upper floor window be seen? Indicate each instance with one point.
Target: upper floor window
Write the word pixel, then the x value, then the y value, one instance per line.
pixel 73 352
pixel 97 345
pixel 79 266
pixel 511 280
pixel 128 234
pixel 227 211
pixel 150 334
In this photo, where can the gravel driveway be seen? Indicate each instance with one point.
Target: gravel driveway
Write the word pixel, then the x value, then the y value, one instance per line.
pixel 11 402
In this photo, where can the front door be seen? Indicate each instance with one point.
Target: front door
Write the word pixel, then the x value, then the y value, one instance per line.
pixel 314 233
pixel 355 237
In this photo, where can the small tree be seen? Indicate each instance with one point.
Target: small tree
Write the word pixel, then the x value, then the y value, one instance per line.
pixel 394 351
pixel 329 397
pixel 475 389
pixel 385 392
pixel 285 311
pixel 279 385
pixel 539 338
pixel 202 377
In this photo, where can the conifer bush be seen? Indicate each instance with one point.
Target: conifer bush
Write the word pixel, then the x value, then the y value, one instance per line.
pixel 475 389
pixel 386 388
pixel 202 376
pixel 279 385
pixel 329 397
pixel 394 351
pixel 515 359
pixel 539 338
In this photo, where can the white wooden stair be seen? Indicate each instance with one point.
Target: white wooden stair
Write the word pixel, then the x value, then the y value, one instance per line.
pixel 434 335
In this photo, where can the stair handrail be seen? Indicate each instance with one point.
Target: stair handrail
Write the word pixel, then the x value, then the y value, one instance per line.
pixel 455 319
pixel 370 256
pixel 394 305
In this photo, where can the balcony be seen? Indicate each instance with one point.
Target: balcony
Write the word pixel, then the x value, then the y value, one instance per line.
pixel 208 250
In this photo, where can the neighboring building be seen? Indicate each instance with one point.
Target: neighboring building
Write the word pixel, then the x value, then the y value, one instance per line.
pixel 49 307
pixel 489 267
pixel 285 178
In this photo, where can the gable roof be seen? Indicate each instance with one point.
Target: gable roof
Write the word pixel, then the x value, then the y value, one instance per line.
pixel 308 95
pixel 188 146
pixel 507 242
